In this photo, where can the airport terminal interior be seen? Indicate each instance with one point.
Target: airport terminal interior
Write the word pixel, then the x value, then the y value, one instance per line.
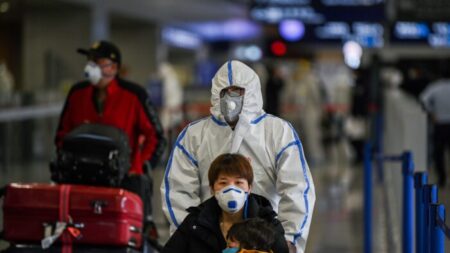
pixel 349 75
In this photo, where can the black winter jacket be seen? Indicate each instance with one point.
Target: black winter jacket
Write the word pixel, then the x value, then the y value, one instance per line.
pixel 200 231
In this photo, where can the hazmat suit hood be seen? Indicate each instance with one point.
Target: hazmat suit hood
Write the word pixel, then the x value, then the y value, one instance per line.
pixel 238 74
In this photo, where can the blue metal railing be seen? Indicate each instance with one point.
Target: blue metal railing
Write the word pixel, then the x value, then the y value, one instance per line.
pixel 408 193
pixel 408 202
pixel 368 186
pixel 429 219
pixel 430 198
pixel 437 235
pixel 420 180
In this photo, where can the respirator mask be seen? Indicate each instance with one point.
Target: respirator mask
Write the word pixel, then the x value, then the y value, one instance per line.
pixel 231 105
pixel 231 198
pixel 93 72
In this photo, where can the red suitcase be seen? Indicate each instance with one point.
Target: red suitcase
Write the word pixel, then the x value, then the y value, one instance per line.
pixel 97 215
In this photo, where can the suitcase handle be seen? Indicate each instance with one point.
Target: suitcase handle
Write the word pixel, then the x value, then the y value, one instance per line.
pixel 98 205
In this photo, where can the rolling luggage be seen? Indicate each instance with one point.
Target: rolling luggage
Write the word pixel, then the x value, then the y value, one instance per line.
pixel 93 154
pixel 76 249
pixel 72 214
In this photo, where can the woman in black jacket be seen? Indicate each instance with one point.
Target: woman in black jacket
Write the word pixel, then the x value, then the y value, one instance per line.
pixel 205 228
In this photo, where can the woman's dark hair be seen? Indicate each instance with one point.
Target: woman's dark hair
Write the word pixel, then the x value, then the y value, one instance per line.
pixel 254 233
pixel 230 164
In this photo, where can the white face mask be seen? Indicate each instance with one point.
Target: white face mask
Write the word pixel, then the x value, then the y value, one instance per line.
pixel 231 198
pixel 93 72
pixel 231 107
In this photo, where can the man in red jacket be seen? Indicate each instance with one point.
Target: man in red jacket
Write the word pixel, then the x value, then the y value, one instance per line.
pixel 105 98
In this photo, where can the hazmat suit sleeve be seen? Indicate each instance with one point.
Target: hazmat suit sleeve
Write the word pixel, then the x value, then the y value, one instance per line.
pixel 295 187
pixel 180 188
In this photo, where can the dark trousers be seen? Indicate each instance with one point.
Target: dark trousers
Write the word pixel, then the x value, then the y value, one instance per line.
pixel 441 144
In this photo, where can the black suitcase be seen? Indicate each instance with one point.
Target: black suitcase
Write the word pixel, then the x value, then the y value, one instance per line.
pixel 93 154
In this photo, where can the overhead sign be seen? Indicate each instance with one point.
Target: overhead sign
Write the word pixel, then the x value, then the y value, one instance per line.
pixel 234 30
pixel 436 34
pixel 181 38
pixel 276 14
pixel 318 11
pixel 366 34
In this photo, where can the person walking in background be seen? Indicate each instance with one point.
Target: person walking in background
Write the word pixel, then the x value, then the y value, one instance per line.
pixel 308 99
pixel 105 98
pixel 172 100
pixel 435 99
pixel 6 80
pixel 238 124
pixel 274 87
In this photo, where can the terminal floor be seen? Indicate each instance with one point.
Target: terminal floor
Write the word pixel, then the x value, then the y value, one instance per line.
pixel 337 224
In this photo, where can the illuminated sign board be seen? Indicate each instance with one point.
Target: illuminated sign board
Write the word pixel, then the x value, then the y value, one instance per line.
pixel 181 38
pixel 435 34
pixel 277 14
pixel 234 29
pixel 318 11
pixel 367 34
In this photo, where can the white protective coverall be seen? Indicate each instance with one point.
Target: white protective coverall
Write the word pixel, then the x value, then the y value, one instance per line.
pixel 281 173
pixel 171 112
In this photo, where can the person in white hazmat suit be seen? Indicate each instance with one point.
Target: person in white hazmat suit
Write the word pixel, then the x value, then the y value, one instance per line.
pixel 238 124
pixel 171 112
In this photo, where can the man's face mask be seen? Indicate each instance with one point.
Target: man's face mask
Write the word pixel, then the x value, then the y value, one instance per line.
pixel 231 102
pixel 93 72
pixel 231 198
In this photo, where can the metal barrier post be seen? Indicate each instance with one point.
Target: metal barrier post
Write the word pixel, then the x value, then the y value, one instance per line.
pixel 378 146
pixel 437 235
pixel 368 198
pixel 420 180
pixel 430 196
pixel 408 208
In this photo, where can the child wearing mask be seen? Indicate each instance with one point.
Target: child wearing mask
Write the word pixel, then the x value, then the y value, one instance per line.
pixel 250 236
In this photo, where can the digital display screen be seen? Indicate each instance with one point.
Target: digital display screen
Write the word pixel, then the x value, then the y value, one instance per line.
pixel 318 11
pixel 367 34
pixel 435 34
pixel 181 38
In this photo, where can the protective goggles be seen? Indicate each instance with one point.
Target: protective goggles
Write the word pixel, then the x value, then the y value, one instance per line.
pixel 232 91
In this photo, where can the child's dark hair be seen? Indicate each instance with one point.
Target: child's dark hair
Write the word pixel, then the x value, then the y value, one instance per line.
pixel 254 233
